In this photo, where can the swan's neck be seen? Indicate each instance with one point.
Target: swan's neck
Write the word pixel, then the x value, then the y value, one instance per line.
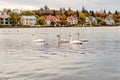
pixel 78 37
pixel 70 38
pixel 34 38
pixel 58 39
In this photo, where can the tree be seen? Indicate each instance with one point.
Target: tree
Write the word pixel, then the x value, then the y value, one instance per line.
pixel 92 13
pixel 53 23
pixel 84 10
pixel 41 9
pixel 15 18
pixel 69 9
pixel 109 12
pixel 82 18
pixel 116 12
pixel 46 7
pixel 100 21
pixel 66 13
pixel 62 17
pixel 0 22
pixel 32 12
pixel 28 13
pixel 7 10
pixel 41 20
pixel 77 13
pixel 104 11
pixel 63 9
pixel 54 12
pixel 63 20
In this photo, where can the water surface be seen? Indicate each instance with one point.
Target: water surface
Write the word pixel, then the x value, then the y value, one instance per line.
pixel 98 59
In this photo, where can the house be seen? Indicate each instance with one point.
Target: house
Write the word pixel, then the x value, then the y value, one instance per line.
pixel 4 19
pixel 109 21
pixel 90 20
pixel 51 19
pixel 72 20
pixel 28 20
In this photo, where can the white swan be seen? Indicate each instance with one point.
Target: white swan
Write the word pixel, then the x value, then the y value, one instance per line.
pixel 37 40
pixel 81 39
pixel 74 41
pixel 62 40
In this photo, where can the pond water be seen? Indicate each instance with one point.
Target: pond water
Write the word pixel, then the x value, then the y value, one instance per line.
pixel 98 59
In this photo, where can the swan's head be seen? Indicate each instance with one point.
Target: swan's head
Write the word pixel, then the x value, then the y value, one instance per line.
pixel 78 33
pixel 33 34
pixel 58 35
pixel 70 35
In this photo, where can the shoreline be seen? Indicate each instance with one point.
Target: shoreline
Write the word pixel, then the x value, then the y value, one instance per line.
pixel 55 26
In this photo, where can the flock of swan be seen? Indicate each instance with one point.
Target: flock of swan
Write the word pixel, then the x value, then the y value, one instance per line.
pixel 59 40
pixel 71 41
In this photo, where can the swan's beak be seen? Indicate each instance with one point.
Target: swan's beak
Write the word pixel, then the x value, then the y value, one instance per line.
pixel 70 35
pixel 78 33
pixel 58 35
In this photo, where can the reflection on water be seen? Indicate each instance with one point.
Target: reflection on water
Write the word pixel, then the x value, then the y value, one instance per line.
pixel 98 59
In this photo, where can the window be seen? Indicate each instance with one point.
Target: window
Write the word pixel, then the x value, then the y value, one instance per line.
pixel 6 22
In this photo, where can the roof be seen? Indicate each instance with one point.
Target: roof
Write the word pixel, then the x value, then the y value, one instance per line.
pixel 109 19
pixel 51 18
pixel 29 17
pixel 3 15
pixel 92 18
pixel 71 18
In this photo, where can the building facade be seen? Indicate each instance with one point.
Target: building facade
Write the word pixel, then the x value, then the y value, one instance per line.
pixel 28 20
pixel 4 19
pixel 90 20
pixel 72 20
pixel 109 21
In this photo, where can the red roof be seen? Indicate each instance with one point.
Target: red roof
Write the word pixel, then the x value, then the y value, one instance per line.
pixel 57 17
pixel 4 16
pixel 51 18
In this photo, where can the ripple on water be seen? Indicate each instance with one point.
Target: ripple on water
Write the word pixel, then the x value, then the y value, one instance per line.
pixel 22 60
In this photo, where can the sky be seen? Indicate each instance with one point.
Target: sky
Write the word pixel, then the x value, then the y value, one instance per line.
pixel 96 5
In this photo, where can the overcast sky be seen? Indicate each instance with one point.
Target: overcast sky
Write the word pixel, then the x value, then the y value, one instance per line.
pixel 111 5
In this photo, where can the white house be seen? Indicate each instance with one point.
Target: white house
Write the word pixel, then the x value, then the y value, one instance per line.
pixel 72 20
pixel 28 20
pixel 4 18
pixel 109 21
pixel 91 20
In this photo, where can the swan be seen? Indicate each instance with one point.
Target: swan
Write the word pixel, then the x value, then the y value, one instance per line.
pixel 62 40
pixel 80 39
pixel 74 41
pixel 37 40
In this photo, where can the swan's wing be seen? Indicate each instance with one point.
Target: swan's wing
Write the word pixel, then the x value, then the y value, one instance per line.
pixel 76 41
pixel 39 40
pixel 64 40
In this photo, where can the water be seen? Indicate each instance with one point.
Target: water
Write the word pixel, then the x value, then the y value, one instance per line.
pixel 98 59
